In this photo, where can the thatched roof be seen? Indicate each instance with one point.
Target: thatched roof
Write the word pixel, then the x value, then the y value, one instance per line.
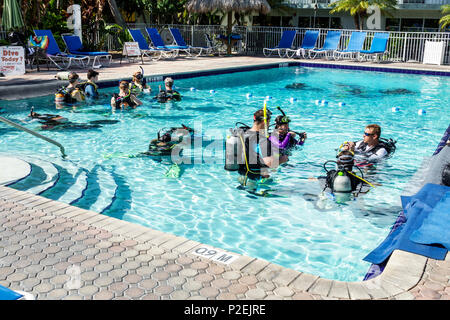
pixel 203 6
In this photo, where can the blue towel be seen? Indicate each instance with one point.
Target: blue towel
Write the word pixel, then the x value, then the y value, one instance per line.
pixel 8 294
pixel 435 228
pixel 416 209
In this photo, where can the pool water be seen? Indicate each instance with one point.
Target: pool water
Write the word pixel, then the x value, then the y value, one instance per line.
pixel 299 229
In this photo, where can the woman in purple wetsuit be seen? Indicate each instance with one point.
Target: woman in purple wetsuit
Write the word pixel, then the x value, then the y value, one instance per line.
pixel 283 138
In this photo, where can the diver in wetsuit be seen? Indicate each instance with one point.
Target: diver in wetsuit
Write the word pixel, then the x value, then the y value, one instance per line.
pixel 257 153
pixel 342 182
pixel 54 121
pixel 124 98
pixel 168 94
pixel 371 148
pixel 283 138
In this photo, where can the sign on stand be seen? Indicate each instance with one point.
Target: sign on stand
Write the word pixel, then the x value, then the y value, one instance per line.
pixel 12 60
pixel 131 50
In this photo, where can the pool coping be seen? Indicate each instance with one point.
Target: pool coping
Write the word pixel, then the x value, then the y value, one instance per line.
pixel 403 271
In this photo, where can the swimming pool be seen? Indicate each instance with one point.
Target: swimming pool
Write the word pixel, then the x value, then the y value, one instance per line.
pixel 295 231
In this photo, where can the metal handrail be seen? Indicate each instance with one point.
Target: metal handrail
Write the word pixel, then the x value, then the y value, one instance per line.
pixel 18 126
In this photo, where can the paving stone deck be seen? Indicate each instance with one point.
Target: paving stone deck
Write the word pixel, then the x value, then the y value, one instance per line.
pixel 56 251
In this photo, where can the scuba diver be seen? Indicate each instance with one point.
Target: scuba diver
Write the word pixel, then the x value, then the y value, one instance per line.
pixel 166 141
pixel 283 138
pixel 249 151
pixel 169 139
pixel 371 148
pixel 342 182
pixel 71 93
pixel 139 84
pixel 168 94
pixel 54 121
pixel 47 118
pixel 124 98
pixel 90 87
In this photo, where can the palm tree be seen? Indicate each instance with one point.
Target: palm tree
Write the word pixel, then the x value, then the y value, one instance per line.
pixel 358 8
pixel 445 20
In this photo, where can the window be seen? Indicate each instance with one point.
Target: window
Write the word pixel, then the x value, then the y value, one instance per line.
pixel 286 21
pixel 411 25
pixel 304 22
pixel 431 25
pixel 335 23
pixel 322 22
pixel 392 24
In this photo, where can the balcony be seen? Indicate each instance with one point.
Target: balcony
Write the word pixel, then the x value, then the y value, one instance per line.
pixel 402 4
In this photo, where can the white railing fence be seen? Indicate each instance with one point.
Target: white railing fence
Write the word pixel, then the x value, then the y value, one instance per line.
pixel 402 46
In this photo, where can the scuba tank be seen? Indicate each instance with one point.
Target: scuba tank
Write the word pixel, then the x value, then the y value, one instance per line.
pixel 63 75
pixel 341 183
pixel 232 147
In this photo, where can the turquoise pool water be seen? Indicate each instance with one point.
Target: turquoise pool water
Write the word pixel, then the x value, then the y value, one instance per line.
pixel 297 230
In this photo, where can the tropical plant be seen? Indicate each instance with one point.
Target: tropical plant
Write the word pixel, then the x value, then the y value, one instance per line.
pixel 445 20
pixel 358 8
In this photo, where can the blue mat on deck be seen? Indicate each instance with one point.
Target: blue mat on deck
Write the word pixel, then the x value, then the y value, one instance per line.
pixel 416 208
pixel 436 227
pixel 8 294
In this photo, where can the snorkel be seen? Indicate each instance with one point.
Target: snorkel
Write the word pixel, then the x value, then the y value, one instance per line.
pixel 265 120
pixel 144 81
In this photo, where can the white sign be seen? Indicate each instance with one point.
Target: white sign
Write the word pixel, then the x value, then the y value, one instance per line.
pixel 12 60
pixel 131 49
pixel 434 52
pixel 214 254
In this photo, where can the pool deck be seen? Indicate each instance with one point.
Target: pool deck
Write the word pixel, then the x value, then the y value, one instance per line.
pixel 57 251
pixel 35 83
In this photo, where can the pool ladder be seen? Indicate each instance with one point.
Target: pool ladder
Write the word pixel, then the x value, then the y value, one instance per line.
pixel 34 133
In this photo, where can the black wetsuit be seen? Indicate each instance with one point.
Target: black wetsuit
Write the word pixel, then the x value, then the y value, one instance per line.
pixel 120 100
pixel 257 147
pixel 168 95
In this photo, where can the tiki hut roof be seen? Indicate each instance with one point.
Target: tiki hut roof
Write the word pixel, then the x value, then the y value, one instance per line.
pixel 203 6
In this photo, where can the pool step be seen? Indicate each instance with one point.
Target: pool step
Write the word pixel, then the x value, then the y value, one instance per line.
pixel 100 192
pixel 43 176
pixel 88 186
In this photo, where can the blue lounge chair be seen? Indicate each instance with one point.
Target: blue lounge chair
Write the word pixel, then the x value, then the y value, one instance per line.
pixel 286 41
pixel 377 48
pixel 355 45
pixel 74 46
pixel 158 43
pixel 54 54
pixel 330 45
pixel 179 40
pixel 308 43
pixel 152 53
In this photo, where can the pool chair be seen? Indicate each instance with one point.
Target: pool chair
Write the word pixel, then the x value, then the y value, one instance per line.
pixel 74 46
pixel 158 43
pixel 214 46
pixel 179 40
pixel 329 46
pixel 355 45
pixel 286 41
pixel 308 43
pixel 152 53
pixel 377 48
pixel 62 60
